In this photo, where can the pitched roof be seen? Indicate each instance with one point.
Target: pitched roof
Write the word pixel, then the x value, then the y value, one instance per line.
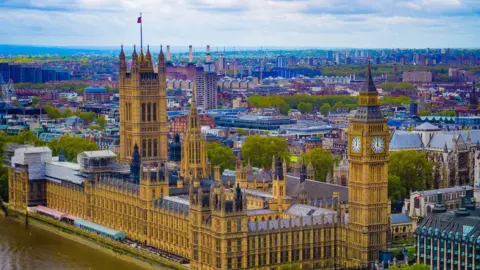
pixel 427 127
pixel 399 218
pixel 316 189
pixel 405 140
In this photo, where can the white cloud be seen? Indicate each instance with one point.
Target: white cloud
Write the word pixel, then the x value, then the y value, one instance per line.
pixel 324 23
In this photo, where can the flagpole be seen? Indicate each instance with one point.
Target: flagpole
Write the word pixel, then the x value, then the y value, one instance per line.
pixel 141 36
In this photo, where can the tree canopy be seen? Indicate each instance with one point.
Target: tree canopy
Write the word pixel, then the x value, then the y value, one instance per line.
pixel 259 150
pixel 322 161
pixel 305 107
pixel 400 100
pixel 410 267
pixel 101 121
pixel 408 170
pixel 390 86
pixel 285 103
pixel 424 113
pixel 220 155
pixel 72 146
pixel 86 116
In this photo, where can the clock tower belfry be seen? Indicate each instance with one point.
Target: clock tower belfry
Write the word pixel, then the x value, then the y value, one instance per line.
pixel 368 137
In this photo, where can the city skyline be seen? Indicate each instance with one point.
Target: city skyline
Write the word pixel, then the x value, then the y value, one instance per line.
pixel 282 23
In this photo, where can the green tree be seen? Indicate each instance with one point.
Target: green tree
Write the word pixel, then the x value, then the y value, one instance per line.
pixel 400 100
pixel 67 113
pixel 283 108
pixel 304 107
pixel 396 189
pixel 259 150
pixel 241 131
pixel 101 121
pixel 410 267
pixel 35 102
pixel 322 161
pixel 325 109
pixel 338 105
pixel 72 146
pixel 446 113
pixel 52 112
pixel 95 127
pixel 413 170
pixel 424 113
pixel 220 155
pixel 86 116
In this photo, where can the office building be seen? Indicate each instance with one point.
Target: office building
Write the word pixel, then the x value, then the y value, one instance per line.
pixel 281 62
pixel 206 89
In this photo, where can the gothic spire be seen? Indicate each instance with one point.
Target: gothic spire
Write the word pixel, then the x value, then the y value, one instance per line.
pixel 135 165
pixel 161 56
pixel 368 85
pixel 122 54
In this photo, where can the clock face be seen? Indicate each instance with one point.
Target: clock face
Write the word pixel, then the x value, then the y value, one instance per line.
pixel 378 144
pixel 356 144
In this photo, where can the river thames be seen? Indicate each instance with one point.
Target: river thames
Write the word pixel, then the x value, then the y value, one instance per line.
pixel 34 248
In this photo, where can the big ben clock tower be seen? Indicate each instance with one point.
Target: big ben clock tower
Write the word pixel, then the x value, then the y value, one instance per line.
pixel 368 138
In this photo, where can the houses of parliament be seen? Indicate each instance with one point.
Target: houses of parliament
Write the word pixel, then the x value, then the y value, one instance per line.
pixel 167 195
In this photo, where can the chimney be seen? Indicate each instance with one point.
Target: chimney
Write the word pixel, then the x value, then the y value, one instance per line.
pixel 169 56
pixel 190 54
pixel 208 57
pixel 462 211
pixel 439 206
pixel 469 199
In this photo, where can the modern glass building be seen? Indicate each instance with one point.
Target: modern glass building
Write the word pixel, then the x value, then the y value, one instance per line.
pixel 450 240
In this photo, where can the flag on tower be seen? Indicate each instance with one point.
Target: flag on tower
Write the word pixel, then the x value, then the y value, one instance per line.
pixel 139 20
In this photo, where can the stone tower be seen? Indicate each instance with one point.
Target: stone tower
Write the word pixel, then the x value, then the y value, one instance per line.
pixel 279 186
pixel 143 108
pixel 194 163
pixel 368 181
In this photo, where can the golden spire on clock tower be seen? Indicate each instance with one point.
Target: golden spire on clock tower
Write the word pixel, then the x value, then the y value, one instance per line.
pixel 368 177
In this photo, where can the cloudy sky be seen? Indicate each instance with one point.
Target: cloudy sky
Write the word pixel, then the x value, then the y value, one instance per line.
pixel 318 23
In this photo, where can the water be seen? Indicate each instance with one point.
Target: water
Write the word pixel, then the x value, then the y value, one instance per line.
pixel 33 248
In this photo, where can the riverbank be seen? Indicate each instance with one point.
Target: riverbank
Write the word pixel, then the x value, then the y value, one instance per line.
pixel 116 249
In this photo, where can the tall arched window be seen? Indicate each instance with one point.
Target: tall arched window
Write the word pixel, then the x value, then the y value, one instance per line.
pixel 155 148
pixel 154 111
pixel 144 148
pixel 149 112
pixel 143 112
pixel 149 147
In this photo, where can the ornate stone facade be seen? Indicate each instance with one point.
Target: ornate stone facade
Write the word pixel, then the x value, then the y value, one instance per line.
pixel 143 108
pixel 212 223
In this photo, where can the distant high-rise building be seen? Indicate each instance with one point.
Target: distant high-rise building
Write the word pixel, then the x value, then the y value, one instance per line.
pixel 17 73
pixel 413 108
pixel 337 58
pixel 5 71
pixel 32 74
pixel 348 60
pixel 48 75
pixel 281 61
pixel 291 61
pixel 62 76
pixel 473 60
pixel 206 89
pixel 329 55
